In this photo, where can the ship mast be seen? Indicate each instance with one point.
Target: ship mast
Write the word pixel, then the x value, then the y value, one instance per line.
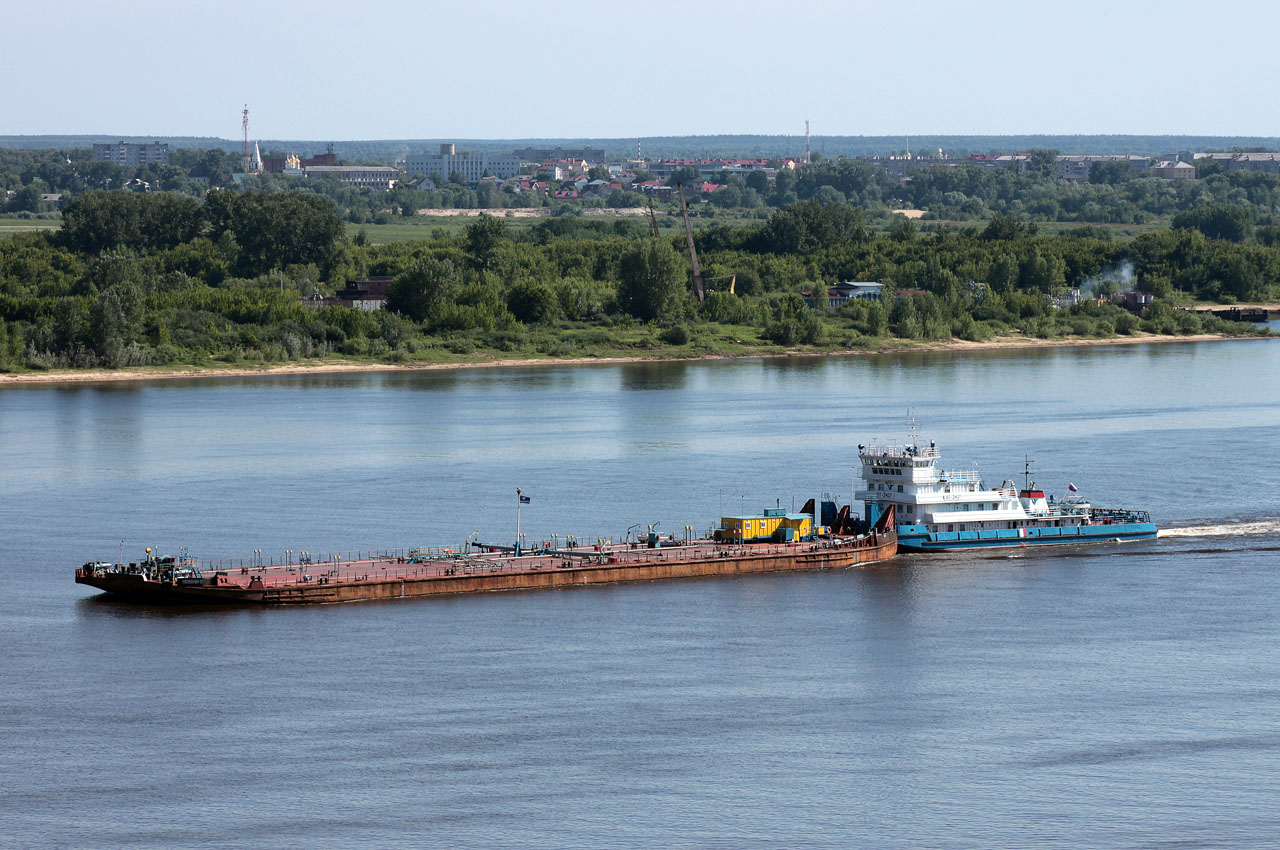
pixel 1026 473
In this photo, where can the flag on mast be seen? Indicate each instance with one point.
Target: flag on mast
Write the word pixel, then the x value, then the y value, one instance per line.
pixel 524 500
pixel 1072 487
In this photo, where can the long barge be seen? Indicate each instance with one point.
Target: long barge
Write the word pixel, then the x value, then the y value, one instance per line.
pixel 440 572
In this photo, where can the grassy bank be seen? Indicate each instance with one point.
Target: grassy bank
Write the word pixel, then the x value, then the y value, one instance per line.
pixel 442 358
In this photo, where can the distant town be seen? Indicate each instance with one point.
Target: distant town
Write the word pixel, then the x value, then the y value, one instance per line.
pixel 538 170
pixel 137 253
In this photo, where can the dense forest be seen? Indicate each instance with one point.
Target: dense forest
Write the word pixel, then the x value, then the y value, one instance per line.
pixel 159 278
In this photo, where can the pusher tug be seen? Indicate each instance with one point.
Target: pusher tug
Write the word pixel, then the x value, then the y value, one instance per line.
pixel 941 510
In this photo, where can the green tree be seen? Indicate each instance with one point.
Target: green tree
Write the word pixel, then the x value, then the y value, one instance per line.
pixel 1040 273
pixel 276 229
pixel 620 198
pixel 828 195
pixel 1241 280
pixel 690 176
pixel 532 302
pixel 424 290
pixel 1217 221
pixel 1043 161
pixel 112 322
pixel 902 229
pixel 1003 276
pixel 481 240
pixel 793 322
pixel 110 271
pixel 26 199
pixel 488 195
pixel 807 227
pixel 650 281
pixel 1005 227
pixel 1111 173
pixel 783 184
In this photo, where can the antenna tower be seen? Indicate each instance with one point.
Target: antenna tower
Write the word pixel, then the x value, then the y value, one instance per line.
pixel 245 155
pixel 807 151
pixel 639 158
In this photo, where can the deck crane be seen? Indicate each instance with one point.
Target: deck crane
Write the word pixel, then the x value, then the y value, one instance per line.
pixel 699 287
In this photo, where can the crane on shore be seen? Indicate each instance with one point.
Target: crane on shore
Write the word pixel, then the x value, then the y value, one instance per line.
pixel 699 286
pixel 700 281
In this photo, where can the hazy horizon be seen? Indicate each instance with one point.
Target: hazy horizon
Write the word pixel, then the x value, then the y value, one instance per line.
pixel 490 70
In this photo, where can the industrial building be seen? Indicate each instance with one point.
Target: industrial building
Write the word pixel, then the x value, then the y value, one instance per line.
pixel 373 176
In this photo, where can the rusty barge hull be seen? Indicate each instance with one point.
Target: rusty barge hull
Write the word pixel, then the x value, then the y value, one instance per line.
pixel 740 560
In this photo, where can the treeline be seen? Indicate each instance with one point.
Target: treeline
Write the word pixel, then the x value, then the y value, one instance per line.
pixel 154 279
pixel 30 173
pixel 973 193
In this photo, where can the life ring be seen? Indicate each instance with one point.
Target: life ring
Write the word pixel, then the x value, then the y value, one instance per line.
pixel 448 551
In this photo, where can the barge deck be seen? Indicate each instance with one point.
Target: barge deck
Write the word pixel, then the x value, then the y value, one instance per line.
pixel 441 572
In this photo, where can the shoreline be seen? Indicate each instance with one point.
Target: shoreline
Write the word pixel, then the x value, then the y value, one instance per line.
pixel 316 367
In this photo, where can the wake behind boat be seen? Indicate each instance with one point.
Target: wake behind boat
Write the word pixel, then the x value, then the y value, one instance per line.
pixel 941 510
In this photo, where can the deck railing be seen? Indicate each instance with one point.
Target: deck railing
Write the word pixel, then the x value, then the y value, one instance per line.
pixel 405 564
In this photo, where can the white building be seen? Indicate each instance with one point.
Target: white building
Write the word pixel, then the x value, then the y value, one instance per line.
pixel 472 166
pixel 373 176
pixel 1172 169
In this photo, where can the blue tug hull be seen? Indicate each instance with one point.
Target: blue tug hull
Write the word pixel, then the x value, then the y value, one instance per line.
pixel 918 538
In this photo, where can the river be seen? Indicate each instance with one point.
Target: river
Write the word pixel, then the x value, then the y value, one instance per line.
pixel 1121 695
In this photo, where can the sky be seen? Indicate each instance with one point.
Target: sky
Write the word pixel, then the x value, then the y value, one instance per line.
pixel 479 69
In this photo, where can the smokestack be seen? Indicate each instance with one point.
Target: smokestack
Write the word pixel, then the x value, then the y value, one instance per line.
pixel 446 149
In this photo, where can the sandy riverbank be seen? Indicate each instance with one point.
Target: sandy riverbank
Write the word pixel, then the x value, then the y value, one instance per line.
pixel 318 367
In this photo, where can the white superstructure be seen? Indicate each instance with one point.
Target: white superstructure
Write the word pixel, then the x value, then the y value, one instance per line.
pixel 909 478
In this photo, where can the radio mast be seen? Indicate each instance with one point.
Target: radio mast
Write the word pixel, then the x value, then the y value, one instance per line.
pixel 807 151
pixel 245 156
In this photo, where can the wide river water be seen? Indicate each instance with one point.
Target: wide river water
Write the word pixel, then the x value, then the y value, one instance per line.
pixel 1119 696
